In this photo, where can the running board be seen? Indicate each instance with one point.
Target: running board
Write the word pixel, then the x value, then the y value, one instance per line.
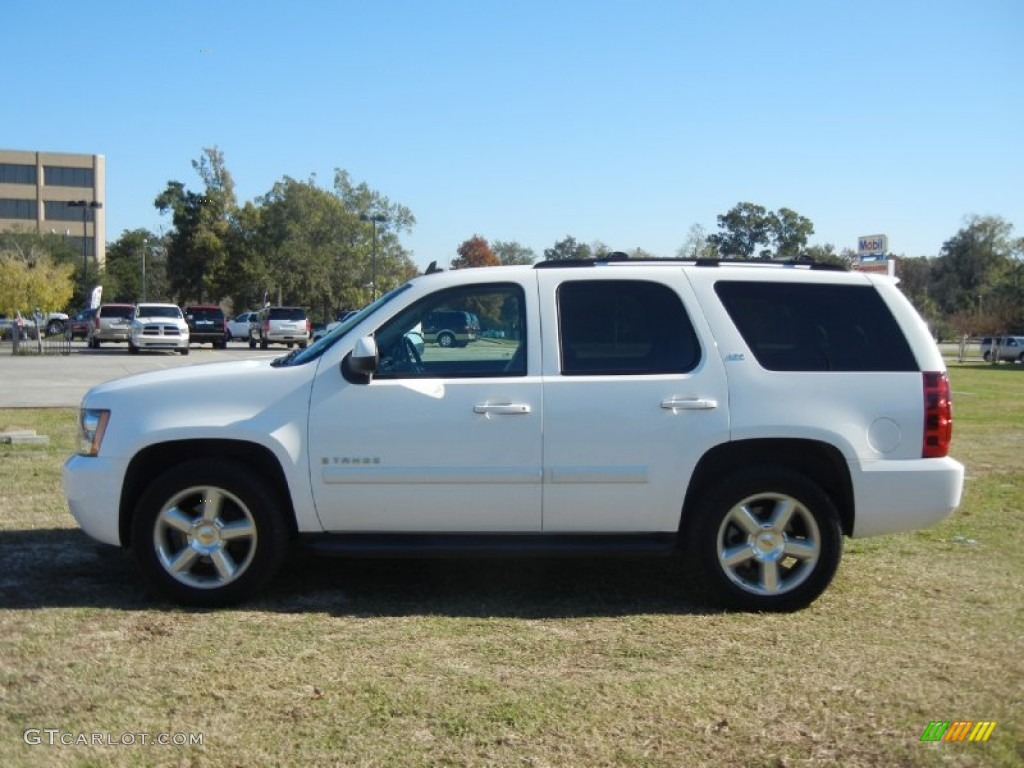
pixel 489 545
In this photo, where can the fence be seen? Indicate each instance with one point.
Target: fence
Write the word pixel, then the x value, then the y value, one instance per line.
pixel 29 341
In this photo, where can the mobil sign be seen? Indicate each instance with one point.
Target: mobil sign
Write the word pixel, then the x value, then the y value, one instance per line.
pixel 872 246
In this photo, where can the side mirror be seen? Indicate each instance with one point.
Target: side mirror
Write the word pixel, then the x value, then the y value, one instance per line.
pixel 361 363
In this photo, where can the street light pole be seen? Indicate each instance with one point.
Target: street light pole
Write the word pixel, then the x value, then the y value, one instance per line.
pixel 144 242
pixel 85 205
pixel 374 218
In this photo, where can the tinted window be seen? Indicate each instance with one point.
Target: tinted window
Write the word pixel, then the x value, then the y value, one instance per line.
pixel 116 311
pixel 146 310
pixel 206 315
pixel 286 313
pixel 624 327
pixel 805 327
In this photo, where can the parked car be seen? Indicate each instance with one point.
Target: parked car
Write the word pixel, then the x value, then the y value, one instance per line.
pixel 10 325
pixel 319 333
pixel 80 323
pixel 280 325
pixel 451 328
pixel 206 325
pixel 158 326
pixel 1010 348
pixel 741 417
pixel 112 322
pixel 238 327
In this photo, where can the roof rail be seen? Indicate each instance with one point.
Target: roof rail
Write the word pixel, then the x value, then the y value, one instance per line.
pixel 615 259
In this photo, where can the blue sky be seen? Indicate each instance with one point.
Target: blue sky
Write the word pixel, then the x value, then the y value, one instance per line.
pixel 624 122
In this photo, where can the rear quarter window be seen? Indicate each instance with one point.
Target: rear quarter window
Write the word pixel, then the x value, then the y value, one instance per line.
pixel 816 327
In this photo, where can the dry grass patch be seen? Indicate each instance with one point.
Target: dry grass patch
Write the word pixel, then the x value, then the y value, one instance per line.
pixel 526 662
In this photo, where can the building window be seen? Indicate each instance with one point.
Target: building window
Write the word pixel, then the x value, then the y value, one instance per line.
pixel 59 210
pixel 18 209
pixel 61 176
pixel 15 173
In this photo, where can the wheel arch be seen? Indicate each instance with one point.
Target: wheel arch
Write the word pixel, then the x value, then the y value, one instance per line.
pixel 153 460
pixel 820 461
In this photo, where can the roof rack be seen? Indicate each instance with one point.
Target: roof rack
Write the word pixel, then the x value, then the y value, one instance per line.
pixel 614 259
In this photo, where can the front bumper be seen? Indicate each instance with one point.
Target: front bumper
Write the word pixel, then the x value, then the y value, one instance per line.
pixel 92 486
pixel 161 340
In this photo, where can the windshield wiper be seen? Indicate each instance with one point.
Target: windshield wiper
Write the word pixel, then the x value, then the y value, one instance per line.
pixel 277 362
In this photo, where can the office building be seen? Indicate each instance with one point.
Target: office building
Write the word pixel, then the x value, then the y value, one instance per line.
pixel 36 187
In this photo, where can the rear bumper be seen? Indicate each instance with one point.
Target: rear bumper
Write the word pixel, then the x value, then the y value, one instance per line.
pixel 895 496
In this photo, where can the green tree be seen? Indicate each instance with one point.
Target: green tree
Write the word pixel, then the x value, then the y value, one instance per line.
pixel 789 233
pixel 745 228
pixel 475 252
pixel 197 254
pixel 122 275
pixel 973 270
pixel 512 252
pixel 568 248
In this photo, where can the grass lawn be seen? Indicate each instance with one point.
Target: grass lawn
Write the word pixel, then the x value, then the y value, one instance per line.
pixel 521 663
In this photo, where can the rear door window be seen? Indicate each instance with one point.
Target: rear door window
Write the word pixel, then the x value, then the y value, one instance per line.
pixel 816 327
pixel 619 327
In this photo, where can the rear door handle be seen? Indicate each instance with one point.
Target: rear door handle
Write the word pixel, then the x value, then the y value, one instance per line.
pixel 503 409
pixel 689 404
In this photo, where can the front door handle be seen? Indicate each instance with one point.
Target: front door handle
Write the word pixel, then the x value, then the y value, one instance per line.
pixel 502 409
pixel 689 404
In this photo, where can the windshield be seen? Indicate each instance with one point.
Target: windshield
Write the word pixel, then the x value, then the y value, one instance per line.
pixel 147 311
pixel 313 352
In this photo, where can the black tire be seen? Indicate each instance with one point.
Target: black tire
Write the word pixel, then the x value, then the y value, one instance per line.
pixel 54 328
pixel 987 356
pixel 178 539
pixel 132 349
pixel 765 538
pixel 264 343
pixel 445 339
pixel 184 350
pixel 252 343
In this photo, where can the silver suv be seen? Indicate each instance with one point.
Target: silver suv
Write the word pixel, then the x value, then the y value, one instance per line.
pixel 741 417
pixel 112 322
pixel 280 325
pixel 1007 348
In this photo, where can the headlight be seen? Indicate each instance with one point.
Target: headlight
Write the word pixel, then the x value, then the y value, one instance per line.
pixel 92 423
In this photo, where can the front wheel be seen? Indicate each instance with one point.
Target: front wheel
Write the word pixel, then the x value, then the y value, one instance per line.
pixel 209 533
pixel 763 539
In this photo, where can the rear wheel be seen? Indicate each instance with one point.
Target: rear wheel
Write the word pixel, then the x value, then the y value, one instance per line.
pixel 445 340
pixel 132 349
pixel 763 539
pixel 208 533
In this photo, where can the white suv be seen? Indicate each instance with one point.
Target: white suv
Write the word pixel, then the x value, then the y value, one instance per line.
pixel 744 417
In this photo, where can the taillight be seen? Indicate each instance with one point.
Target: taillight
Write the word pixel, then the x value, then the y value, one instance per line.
pixel 938 415
pixel 266 326
pixel 96 322
pixel 309 326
